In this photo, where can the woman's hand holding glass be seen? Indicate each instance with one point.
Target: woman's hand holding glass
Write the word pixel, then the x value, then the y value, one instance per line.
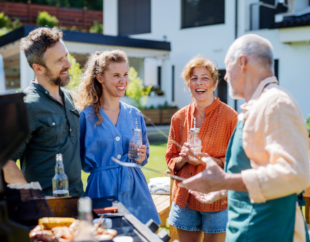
pixel 185 153
pixel 141 153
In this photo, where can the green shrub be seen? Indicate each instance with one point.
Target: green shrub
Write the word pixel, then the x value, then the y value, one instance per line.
pixel 16 23
pixel 96 28
pixel 135 90
pixel 308 124
pixel 75 73
pixel 45 19
pixel 5 22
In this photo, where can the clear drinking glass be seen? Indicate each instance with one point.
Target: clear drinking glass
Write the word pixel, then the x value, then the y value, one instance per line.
pixel 60 180
pixel 194 140
pixel 134 144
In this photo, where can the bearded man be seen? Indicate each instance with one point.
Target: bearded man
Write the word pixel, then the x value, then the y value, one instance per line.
pixel 53 119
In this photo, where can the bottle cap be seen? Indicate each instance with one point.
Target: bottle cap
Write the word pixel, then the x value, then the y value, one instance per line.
pixel 195 130
pixel 58 156
pixel 85 205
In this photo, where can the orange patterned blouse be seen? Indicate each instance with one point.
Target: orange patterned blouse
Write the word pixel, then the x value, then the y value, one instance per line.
pixel 215 133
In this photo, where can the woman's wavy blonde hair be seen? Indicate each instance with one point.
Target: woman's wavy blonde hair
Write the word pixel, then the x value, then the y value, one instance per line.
pixel 90 89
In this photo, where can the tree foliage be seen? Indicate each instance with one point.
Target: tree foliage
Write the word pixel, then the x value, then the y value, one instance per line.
pixel 45 19
pixel 5 22
pixel 135 90
pixel 75 72
pixel 96 28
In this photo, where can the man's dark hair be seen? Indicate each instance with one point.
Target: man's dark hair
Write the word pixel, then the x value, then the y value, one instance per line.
pixel 37 42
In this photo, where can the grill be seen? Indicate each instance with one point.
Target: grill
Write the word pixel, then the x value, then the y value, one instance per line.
pixel 20 209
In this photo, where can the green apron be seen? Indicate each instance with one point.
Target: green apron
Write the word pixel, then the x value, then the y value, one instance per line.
pixel 273 220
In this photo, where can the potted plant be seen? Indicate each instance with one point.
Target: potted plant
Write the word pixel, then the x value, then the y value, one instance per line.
pixel 167 112
pixel 151 115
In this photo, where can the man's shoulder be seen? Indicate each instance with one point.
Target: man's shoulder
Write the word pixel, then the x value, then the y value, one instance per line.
pixel 274 95
pixel 33 97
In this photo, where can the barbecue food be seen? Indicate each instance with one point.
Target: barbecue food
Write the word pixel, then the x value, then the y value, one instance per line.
pixel 53 222
pixel 64 230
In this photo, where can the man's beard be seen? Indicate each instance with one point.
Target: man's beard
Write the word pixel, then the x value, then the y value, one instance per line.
pixel 57 81
pixel 232 93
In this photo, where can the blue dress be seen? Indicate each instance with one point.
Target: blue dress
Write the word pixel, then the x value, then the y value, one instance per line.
pixel 101 142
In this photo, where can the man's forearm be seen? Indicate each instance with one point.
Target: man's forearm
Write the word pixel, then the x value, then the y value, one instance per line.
pixel 12 174
pixel 234 182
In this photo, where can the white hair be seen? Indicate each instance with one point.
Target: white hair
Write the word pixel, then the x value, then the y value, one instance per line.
pixel 254 47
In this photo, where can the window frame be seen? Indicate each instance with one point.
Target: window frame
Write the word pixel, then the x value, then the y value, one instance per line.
pixel 181 17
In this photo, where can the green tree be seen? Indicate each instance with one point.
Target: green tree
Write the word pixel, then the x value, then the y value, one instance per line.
pixel 5 22
pixel 135 90
pixel 96 28
pixel 75 73
pixel 45 19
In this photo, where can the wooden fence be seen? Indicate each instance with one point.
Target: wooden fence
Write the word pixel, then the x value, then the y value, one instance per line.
pixel 68 17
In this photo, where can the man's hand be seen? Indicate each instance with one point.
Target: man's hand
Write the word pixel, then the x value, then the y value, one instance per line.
pixel 12 174
pixel 217 160
pixel 210 197
pixel 142 153
pixel 213 178
pixel 185 153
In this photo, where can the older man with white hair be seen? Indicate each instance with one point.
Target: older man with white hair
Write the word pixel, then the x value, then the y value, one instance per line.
pixel 267 157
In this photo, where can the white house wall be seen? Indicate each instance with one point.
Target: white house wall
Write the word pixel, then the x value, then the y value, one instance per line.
pixel 212 41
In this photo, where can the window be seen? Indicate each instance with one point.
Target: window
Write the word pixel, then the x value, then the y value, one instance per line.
pixel 222 87
pixel 263 16
pixel 202 12
pixel 276 69
pixel 159 76
pixel 266 15
pixel 134 17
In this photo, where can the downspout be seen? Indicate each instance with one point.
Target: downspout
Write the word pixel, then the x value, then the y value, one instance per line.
pixel 236 36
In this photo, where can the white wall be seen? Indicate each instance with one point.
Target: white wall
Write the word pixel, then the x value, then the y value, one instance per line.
pixel 110 23
pixel 212 41
pixel 294 62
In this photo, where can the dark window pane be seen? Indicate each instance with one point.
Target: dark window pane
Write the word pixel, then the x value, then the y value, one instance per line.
pixel 222 87
pixel 134 17
pixel 202 12
pixel 159 76
pixel 276 69
pixel 266 15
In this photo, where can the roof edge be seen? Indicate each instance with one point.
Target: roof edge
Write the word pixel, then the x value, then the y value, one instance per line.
pixel 90 38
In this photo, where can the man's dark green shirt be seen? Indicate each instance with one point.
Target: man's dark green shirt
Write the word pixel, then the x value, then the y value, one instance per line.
pixel 54 129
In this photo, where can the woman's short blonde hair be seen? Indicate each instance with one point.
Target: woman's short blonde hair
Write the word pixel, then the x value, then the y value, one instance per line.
pixel 199 61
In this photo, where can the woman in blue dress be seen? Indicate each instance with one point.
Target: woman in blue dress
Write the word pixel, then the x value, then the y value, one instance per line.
pixel 106 126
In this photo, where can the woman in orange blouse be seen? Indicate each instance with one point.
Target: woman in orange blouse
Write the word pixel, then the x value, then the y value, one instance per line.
pixel 217 122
